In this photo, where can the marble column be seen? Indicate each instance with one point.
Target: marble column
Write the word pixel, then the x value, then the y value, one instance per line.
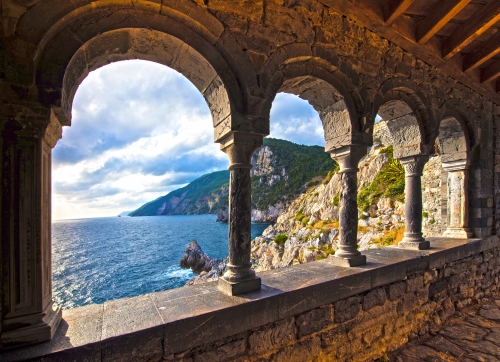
pixel 458 208
pixel 413 238
pixel 239 277
pixel 28 313
pixel 348 254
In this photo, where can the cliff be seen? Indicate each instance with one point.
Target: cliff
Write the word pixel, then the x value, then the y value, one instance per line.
pixel 281 171
pixel 205 195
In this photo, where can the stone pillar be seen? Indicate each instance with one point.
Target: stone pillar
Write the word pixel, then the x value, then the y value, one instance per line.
pixel 458 208
pixel 413 238
pixel 28 313
pixel 239 277
pixel 348 254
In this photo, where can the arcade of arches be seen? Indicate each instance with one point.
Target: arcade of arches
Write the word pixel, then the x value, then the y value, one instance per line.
pixel 239 54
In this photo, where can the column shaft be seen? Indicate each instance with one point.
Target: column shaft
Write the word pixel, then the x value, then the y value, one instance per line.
pixel 348 253
pixel 413 238
pixel 240 226
pixel 458 208
pixel 239 277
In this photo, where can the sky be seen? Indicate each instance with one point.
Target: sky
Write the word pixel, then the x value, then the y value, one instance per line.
pixel 140 130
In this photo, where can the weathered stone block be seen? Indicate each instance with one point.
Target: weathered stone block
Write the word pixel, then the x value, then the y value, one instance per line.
pixel 315 320
pixel 414 284
pixel 347 309
pixel 376 297
pixel 272 337
pixel 310 348
pixel 227 352
pixel 396 291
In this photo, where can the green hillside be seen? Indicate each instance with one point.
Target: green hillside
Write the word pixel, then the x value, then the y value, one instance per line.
pixel 301 164
pixel 209 193
pixel 198 189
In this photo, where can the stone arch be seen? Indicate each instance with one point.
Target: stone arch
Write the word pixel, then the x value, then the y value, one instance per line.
pixel 454 121
pixel 408 118
pixel 453 144
pixel 330 91
pixel 106 31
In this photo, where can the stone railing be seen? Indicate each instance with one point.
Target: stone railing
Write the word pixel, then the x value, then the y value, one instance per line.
pixel 311 310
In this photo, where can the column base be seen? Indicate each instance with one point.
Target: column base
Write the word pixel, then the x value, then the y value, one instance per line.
pixel 458 233
pixel 32 328
pixel 415 245
pixel 237 288
pixel 358 260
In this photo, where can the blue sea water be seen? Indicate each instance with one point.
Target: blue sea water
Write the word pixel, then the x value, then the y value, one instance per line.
pixel 100 259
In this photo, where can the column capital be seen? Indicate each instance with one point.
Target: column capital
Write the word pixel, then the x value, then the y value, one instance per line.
pixel 348 157
pixel 53 131
pixel 239 147
pixel 458 165
pixel 414 165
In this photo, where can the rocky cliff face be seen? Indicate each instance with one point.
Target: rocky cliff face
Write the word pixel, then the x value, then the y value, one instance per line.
pixel 281 171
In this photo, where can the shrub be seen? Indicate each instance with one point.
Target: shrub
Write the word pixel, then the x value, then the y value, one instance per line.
pixel 281 239
pixel 336 200
pixel 425 214
pixel 305 220
pixel 389 182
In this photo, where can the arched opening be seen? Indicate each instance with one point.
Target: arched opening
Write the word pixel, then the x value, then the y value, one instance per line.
pixel 290 168
pixel 398 187
pixel 139 131
pixel 209 82
pixel 452 145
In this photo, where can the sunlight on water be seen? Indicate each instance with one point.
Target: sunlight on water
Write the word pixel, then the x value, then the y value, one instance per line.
pixel 96 260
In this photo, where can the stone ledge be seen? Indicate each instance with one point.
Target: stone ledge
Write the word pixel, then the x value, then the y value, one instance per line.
pixel 176 320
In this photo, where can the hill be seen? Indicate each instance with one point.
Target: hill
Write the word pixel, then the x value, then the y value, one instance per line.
pixel 282 170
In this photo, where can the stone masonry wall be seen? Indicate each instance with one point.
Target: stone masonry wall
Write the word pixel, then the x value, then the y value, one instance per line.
pixel 365 326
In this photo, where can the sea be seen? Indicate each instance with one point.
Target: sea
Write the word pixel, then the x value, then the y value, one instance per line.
pixel 100 259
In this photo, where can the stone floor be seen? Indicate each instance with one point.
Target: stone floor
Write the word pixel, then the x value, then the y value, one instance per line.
pixel 470 335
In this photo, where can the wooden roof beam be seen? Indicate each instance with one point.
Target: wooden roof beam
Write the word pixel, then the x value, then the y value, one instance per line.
pixel 439 16
pixel 478 23
pixel 484 52
pixel 498 86
pixel 395 8
pixel 491 72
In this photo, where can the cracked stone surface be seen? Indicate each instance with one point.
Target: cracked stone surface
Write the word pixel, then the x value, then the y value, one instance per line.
pixel 473 334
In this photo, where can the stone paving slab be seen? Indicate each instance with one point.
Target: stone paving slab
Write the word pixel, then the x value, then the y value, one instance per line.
pixel 470 335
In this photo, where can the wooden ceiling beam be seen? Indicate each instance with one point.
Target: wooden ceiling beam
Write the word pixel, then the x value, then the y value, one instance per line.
pixel 395 8
pixel 478 23
pixel 498 86
pixel 484 52
pixel 491 72
pixel 439 16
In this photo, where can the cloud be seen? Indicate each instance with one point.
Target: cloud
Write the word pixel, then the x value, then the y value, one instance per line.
pixel 295 120
pixel 140 130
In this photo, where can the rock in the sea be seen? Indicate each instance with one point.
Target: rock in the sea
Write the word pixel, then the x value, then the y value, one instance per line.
pixel 196 259
pixel 222 215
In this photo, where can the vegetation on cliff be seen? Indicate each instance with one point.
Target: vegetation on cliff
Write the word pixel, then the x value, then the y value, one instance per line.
pixel 297 165
pixel 204 195
pixel 284 169
pixel 389 183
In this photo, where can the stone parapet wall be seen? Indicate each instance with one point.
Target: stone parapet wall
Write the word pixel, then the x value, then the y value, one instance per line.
pixel 311 311
pixel 365 326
